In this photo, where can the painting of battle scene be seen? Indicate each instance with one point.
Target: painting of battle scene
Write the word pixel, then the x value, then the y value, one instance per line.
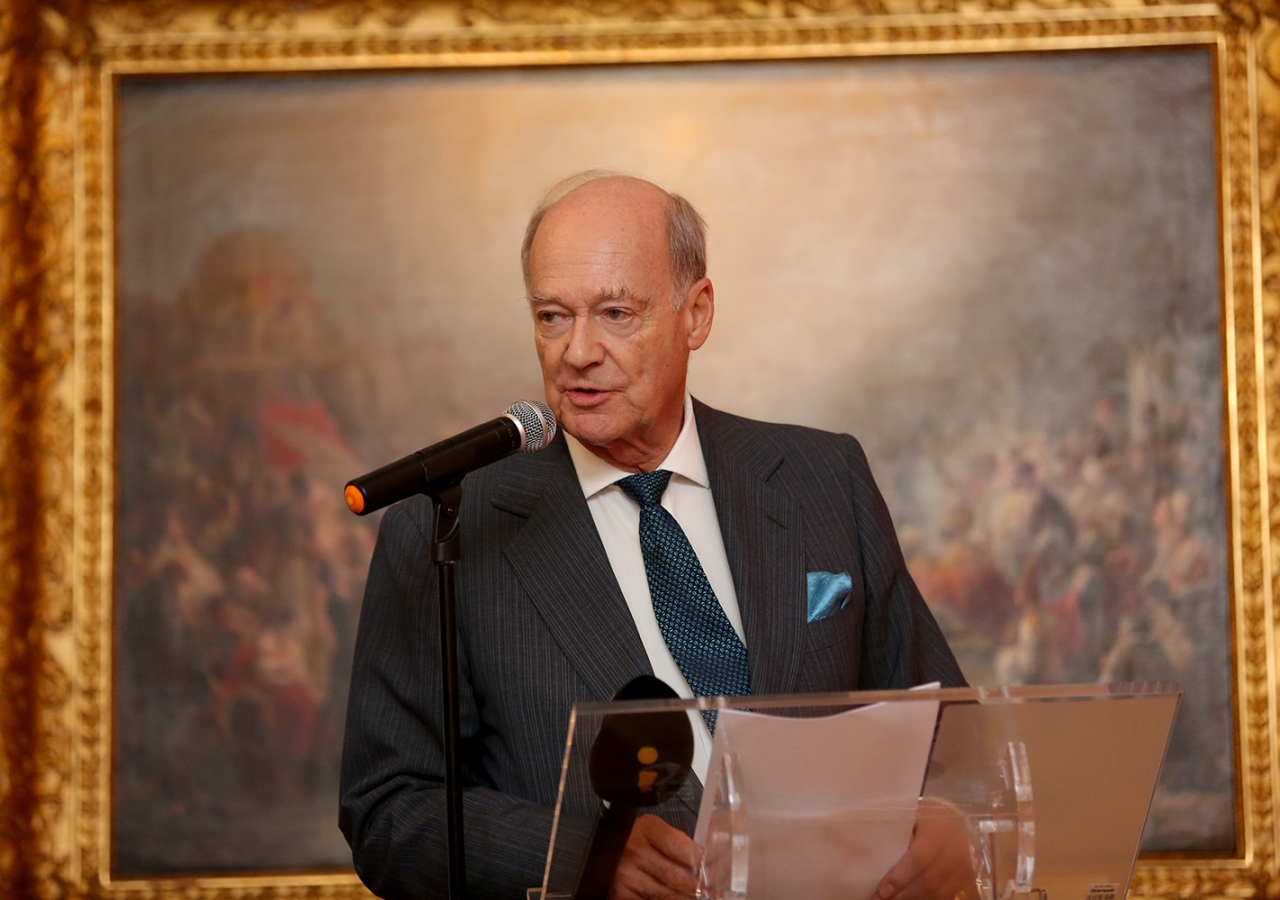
pixel 1092 551
pixel 241 577
pixel 978 266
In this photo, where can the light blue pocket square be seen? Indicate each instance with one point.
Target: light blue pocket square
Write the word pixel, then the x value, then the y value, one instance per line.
pixel 828 594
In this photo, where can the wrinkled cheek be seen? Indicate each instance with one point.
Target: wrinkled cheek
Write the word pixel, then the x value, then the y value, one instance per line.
pixel 548 360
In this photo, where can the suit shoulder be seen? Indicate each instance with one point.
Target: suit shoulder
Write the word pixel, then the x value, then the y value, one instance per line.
pixel 409 516
pixel 788 439
pixel 519 482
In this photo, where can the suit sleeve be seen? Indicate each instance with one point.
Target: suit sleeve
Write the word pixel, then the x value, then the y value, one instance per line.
pixel 392 806
pixel 902 645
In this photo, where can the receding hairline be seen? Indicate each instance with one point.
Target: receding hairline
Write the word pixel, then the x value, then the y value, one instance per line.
pixel 685 228
pixel 581 180
pixel 562 190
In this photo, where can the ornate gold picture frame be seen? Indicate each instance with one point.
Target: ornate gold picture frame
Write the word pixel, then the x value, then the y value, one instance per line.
pixel 63 64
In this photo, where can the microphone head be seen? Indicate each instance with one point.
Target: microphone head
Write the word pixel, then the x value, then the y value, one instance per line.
pixel 641 759
pixel 536 423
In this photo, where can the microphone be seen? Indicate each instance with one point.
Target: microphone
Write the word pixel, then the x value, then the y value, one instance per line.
pixel 637 760
pixel 526 426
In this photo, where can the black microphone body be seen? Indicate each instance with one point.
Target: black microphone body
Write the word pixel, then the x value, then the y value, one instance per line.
pixel 609 838
pixel 443 465
pixel 440 465
pixel 616 773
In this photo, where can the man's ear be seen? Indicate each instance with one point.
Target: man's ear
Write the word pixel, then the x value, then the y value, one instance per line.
pixel 699 309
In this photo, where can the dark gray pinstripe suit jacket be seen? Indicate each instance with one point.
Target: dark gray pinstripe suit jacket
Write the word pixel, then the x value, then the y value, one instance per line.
pixel 542 623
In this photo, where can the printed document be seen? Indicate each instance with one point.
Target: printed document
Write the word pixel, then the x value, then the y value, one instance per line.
pixel 830 802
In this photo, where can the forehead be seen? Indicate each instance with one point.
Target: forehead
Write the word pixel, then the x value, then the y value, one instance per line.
pixel 613 230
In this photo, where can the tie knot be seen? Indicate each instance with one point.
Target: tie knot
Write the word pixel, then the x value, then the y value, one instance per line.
pixel 646 488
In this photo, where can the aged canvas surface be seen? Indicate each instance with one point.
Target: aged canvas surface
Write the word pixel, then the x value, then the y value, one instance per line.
pixel 1001 273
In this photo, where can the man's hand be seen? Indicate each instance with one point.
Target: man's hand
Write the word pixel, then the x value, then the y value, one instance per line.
pixel 936 865
pixel 659 863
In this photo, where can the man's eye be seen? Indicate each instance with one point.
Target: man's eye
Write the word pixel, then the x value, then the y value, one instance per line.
pixel 616 315
pixel 549 318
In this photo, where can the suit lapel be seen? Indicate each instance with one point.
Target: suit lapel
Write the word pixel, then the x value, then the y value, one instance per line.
pixel 586 612
pixel 564 570
pixel 583 609
pixel 761 525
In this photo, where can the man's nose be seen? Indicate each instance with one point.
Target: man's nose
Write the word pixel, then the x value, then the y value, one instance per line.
pixel 584 344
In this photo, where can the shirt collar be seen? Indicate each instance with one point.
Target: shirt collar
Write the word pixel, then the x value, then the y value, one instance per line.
pixel 684 461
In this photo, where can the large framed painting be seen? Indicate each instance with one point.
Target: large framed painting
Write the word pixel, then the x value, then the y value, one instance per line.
pixel 1025 252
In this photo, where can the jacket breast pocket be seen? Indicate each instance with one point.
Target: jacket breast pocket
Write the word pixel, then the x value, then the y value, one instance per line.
pixel 842 625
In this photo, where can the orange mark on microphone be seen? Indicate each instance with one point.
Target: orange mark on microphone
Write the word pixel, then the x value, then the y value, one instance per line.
pixel 355 499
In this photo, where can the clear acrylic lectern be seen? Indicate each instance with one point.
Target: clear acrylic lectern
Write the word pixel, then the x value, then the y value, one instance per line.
pixel 1009 790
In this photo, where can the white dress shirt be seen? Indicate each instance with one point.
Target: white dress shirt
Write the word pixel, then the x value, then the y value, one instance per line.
pixel 617 517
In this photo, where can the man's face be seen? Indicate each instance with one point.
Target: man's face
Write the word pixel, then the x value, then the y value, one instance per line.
pixel 614 351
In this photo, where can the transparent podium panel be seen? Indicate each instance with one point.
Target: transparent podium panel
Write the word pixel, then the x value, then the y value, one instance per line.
pixel 990 792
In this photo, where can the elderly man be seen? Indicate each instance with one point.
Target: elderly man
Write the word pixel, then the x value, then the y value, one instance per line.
pixel 562 598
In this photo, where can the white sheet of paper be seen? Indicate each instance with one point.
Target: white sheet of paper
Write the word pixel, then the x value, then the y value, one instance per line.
pixel 830 802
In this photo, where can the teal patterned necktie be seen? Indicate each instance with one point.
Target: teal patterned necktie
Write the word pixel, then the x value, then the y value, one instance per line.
pixel 697 631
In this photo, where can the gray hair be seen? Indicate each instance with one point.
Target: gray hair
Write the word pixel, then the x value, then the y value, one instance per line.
pixel 686 230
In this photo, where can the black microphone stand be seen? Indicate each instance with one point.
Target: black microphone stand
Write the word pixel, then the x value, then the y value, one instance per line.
pixel 446 551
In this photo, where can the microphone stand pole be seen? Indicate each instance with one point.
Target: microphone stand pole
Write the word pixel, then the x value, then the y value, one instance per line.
pixel 446 551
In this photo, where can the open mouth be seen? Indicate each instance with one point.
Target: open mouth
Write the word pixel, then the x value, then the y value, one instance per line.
pixel 586 395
